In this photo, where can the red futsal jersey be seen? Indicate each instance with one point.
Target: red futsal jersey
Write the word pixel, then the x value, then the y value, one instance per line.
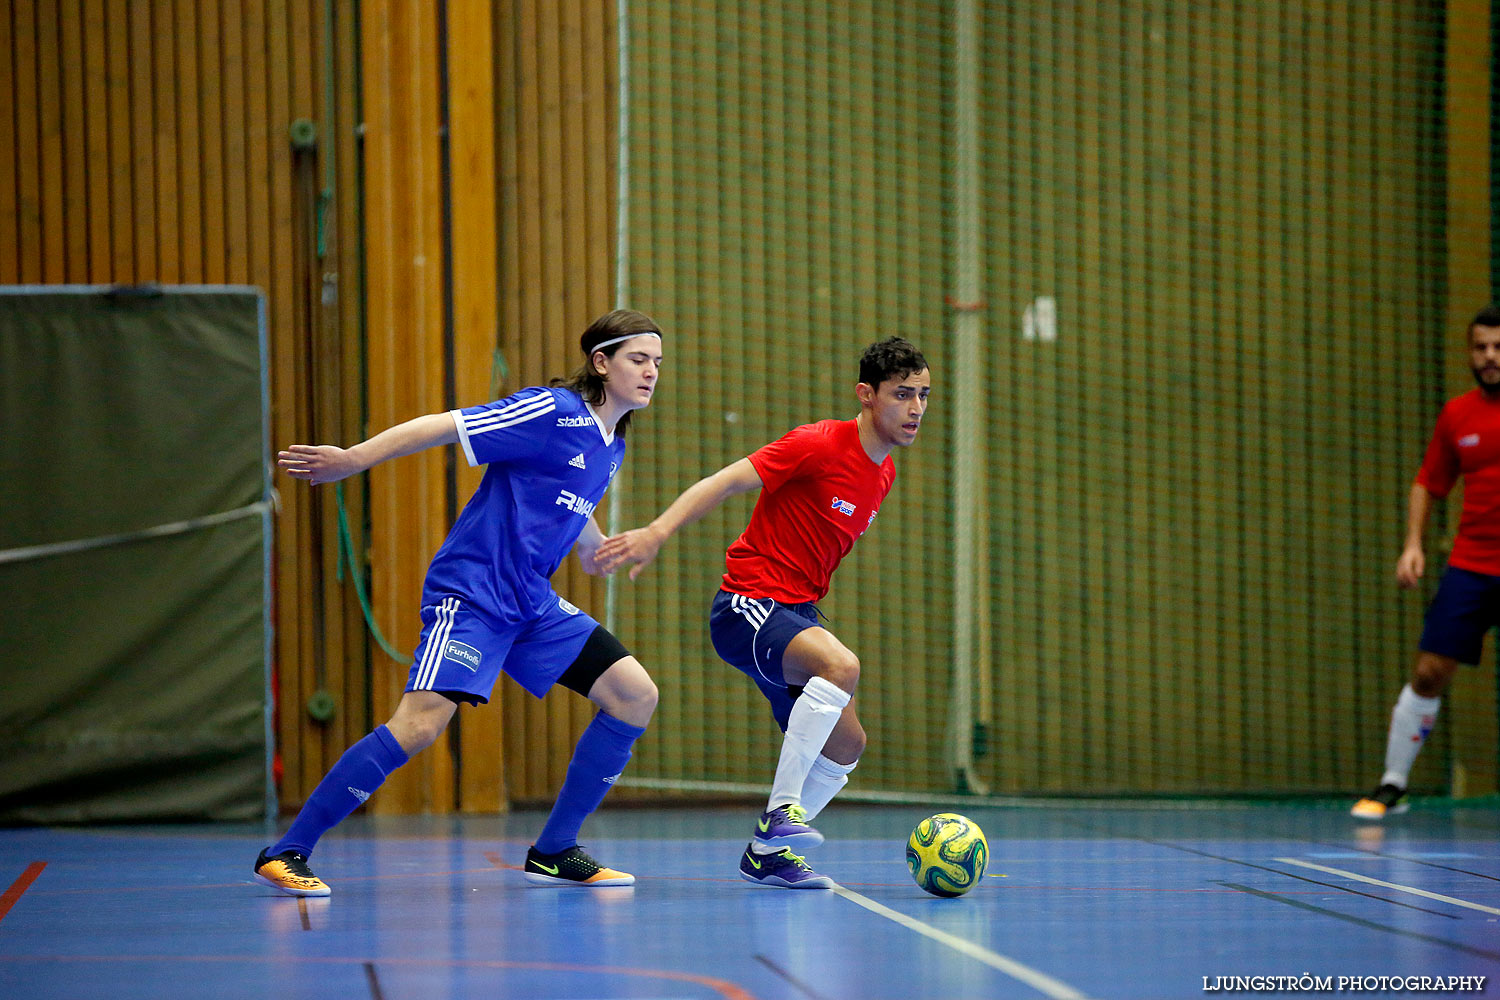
pixel 1467 443
pixel 820 492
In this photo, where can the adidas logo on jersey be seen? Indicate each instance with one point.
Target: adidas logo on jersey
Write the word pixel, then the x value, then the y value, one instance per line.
pixel 574 421
pixel 577 461
pixel 359 793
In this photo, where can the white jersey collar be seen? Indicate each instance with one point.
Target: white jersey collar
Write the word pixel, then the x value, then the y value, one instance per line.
pixel 607 435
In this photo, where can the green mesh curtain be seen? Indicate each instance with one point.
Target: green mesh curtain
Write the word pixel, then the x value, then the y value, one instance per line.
pixel 133 556
pixel 1208 309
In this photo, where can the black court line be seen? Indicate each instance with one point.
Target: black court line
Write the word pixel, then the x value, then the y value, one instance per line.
pixel 1274 871
pixel 1372 852
pixel 1300 878
pixel 376 993
pixel 1361 922
pixel 1396 857
pixel 814 994
pixel 302 911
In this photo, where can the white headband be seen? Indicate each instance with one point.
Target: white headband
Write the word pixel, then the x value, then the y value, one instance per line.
pixel 618 340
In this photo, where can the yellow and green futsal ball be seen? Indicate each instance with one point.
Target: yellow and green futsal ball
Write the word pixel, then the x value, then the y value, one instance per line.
pixel 947 854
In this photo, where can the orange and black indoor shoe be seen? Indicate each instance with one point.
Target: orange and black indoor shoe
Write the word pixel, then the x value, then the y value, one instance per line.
pixel 288 872
pixel 571 867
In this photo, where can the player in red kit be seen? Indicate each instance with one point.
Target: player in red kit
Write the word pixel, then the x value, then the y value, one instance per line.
pixel 821 486
pixel 1465 443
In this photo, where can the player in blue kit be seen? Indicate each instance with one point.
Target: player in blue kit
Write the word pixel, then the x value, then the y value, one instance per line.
pixel 488 604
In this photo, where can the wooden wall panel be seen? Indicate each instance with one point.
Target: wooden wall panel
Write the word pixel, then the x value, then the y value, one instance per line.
pixel 1211 203
pixel 404 317
pixel 232 110
pixel 146 141
pixel 29 114
pixel 766 202
pixel 136 41
pixel 74 166
pixel 150 144
pixel 50 131
pixel 1186 486
pixel 555 140
pixel 190 145
pixel 211 149
pixel 1474 703
pixel 165 139
pixel 474 281
pixel 120 209
pixel 10 222
pixel 275 263
pixel 340 295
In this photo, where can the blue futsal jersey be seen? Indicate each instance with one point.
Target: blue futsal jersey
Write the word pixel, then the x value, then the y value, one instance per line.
pixel 549 463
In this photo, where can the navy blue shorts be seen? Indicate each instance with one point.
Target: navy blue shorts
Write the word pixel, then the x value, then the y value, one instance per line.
pixel 1465 607
pixel 751 634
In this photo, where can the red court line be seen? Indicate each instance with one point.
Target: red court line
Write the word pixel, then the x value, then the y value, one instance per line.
pixel 723 987
pixel 494 859
pixel 19 886
pixel 244 882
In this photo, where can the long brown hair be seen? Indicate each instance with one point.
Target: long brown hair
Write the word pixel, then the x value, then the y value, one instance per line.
pixel 586 380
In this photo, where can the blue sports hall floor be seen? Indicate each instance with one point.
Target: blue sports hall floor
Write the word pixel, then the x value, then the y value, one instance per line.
pixel 1081 900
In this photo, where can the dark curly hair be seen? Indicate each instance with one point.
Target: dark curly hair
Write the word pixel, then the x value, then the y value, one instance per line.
pixel 1488 316
pixel 893 357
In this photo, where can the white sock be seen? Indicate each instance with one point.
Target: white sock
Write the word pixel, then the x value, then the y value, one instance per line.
pixel 814 714
pixel 824 781
pixel 1411 720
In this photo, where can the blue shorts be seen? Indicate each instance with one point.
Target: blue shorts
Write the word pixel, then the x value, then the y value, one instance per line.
pixel 751 634
pixel 461 651
pixel 1465 607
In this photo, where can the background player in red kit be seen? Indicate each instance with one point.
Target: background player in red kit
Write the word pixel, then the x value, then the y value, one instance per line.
pixel 1465 443
pixel 821 486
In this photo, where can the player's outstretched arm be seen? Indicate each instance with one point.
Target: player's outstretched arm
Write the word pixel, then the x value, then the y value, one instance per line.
pixel 640 546
pixel 326 463
pixel 1412 562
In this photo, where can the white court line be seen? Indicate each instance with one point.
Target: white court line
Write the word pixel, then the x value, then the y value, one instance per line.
pixel 1036 980
pixel 1390 885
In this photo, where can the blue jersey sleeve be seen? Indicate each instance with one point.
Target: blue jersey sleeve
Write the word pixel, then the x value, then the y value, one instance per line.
pixel 508 429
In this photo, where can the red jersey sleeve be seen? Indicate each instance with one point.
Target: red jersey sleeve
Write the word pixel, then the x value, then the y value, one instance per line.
pixel 789 457
pixel 1440 466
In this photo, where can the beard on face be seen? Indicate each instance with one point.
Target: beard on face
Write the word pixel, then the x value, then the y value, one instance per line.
pixel 1490 388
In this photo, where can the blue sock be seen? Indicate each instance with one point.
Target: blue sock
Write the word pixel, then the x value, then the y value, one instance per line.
pixel 362 769
pixel 602 753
